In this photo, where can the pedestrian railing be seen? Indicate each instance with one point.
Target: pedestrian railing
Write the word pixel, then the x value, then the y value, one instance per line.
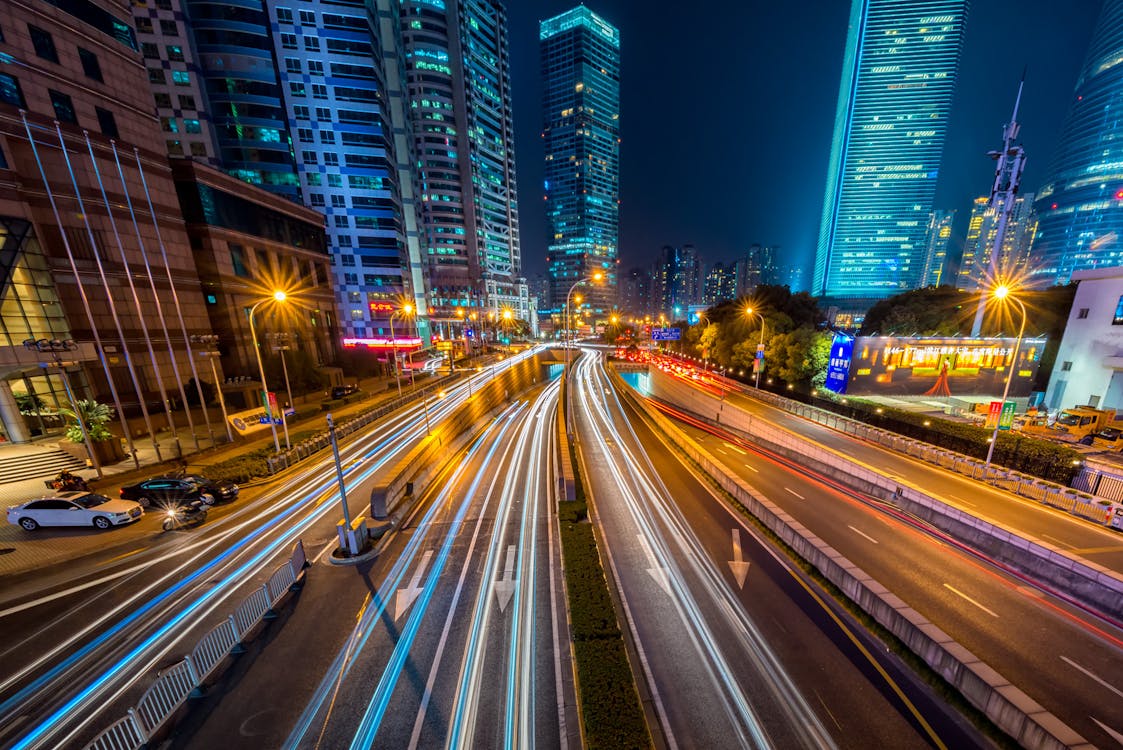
pixel 175 684
pixel 316 443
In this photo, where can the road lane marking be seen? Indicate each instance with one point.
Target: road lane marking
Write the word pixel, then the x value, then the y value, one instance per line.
pixel 719 450
pixel 735 448
pixel 750 466
pixel 1057 541
pixel 859 533
pixel 1095 550
pixel 123 556
pixel 957 592
pixel 408 595
pixel 1095 677
pixel 657 571
pixel 788 489
pixel 961 500
pixel 324 551
pixel 738 565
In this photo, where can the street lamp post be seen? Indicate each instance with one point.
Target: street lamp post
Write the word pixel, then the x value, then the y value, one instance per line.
pixel 760 347
pixel 406 309
pixel 212 355
pixel 54 347
pixel 282 348
pixel 278 296
pixel 595 277
pixel 1002 292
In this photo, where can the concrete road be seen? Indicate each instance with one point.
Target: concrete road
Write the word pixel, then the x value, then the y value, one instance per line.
pixel 736 647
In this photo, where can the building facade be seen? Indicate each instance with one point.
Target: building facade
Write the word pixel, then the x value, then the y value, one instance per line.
pixel 458 71
pixel 1089 365
pixel 676 281
pixel 939 240
pixel 1011 262
pixel 898 77
pixel 1080 205
pixel 635 292
pixel 581 135
pixel 96 265
pixel 720 284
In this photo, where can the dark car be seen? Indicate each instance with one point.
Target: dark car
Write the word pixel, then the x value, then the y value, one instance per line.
pixel 180 489
pixel 341 391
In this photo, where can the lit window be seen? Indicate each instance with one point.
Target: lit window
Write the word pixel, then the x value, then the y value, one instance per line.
pixel 181 78
pixel 191 126
pixel 175 52
pixel 10 91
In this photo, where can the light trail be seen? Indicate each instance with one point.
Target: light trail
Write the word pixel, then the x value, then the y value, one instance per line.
pixel 649 504
pixel 131 665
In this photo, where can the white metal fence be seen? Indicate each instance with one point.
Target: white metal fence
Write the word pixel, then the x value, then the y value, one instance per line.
pixel 175 684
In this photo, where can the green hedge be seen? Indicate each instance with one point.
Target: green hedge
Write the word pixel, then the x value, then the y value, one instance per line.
pixel 251 464
pixel 1040 458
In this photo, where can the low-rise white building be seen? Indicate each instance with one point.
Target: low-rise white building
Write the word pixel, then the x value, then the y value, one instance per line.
pixel 1089 366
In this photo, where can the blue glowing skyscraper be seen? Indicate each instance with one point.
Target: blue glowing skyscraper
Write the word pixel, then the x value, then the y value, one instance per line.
pixel 898 78
pixel 1080 206
pixel 581 133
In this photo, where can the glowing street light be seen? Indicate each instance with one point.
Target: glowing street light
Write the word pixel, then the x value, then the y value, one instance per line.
pixel 1001 293
pixel 759 361
pixel 277 296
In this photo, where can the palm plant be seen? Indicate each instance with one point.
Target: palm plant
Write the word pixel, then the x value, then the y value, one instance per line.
pixel 94 416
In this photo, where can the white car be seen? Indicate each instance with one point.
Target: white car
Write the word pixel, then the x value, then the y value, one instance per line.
pixel 74 509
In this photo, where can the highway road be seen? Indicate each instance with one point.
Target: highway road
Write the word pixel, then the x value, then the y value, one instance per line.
pixel 77 648
pixel 1062 656
pixel 736 647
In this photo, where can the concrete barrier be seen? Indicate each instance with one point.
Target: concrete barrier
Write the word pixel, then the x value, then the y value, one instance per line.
pixel 1004 704
pixel 1081 579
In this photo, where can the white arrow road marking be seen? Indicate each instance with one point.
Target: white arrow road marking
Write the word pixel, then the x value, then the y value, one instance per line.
pixel 1111 732
pixel 959 593
pixel 1095 677
pixel 658 572
pixel 409 594
pixel 739 567
pixel 505 586
pixel 860 533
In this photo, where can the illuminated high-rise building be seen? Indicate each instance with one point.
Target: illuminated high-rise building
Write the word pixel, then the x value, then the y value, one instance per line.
pixel 939 238
pixel 458 64
pixel 1080 206
pixel 898 77
pixel 581 134
pixel 982 230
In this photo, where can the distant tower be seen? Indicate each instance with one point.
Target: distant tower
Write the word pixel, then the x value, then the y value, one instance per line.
pixel 939 237
pixel 581 135
pixel 898 78
pixel 1009 163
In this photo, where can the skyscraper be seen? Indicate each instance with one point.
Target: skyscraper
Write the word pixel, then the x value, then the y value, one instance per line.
pixel 974 268
pixel 1080 206
pixel 676 281
pixel 720 284
pixel 898 77
pixel 939 238
pixel 580 130
pixel 458 65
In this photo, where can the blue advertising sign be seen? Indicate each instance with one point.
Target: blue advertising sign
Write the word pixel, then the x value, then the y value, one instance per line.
pixel 838 368
pixel 666 334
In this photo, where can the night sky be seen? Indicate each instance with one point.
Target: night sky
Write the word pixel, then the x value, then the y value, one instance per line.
pixel 728 109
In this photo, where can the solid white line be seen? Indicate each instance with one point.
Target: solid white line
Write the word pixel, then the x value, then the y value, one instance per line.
pixel 750 466
pixel 957 592
pixel 1114 735
pixel 859 533
pixel 735 448
pixel 1074 665
pixel 801 497
pixel 1058 541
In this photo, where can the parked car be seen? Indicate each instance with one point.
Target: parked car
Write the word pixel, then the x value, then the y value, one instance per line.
pixel 74 509
pixel 180 489
pixel 341 391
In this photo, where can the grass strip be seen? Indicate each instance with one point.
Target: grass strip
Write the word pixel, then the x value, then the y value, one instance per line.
pixel 611 714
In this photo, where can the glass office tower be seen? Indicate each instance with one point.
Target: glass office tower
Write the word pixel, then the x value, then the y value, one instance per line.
pixel 1080 206
pixel 581 133
pixel 898 78
pixel 458 68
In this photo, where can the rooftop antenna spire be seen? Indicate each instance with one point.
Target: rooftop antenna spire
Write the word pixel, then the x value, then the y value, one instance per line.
pixel 1010 163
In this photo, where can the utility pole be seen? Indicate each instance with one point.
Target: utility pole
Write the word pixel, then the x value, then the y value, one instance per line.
pixel 1011 161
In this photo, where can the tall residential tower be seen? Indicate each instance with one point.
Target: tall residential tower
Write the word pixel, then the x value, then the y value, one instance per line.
pixel 581 133
pixel 898 77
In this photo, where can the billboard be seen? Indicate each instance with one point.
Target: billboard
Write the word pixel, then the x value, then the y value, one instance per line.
pixel 838 367
pixel 941 366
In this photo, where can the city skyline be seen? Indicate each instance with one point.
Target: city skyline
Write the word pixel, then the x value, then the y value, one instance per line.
pixel 761 192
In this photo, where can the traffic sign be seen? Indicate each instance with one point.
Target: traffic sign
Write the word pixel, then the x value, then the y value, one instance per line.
pixel 666 334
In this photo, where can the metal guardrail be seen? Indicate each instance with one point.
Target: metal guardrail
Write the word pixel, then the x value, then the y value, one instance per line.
pixel 175 684
pixel 316 443
pixel 1072 499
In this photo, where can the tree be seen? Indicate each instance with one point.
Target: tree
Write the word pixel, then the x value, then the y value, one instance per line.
pixel 304 373
pixel 94 416
pixel 798 357
pixel 933 311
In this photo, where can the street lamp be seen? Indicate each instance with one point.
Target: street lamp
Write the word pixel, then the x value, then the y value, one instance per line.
pixel 277 296
pixel 1000 293
pixel 406 309
pixel 55 347
pixel 759 361
pixel 283 336
pixel 597 276
pixel 212 354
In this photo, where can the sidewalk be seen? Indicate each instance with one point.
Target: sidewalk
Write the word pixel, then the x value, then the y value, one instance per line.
pixel 21 551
